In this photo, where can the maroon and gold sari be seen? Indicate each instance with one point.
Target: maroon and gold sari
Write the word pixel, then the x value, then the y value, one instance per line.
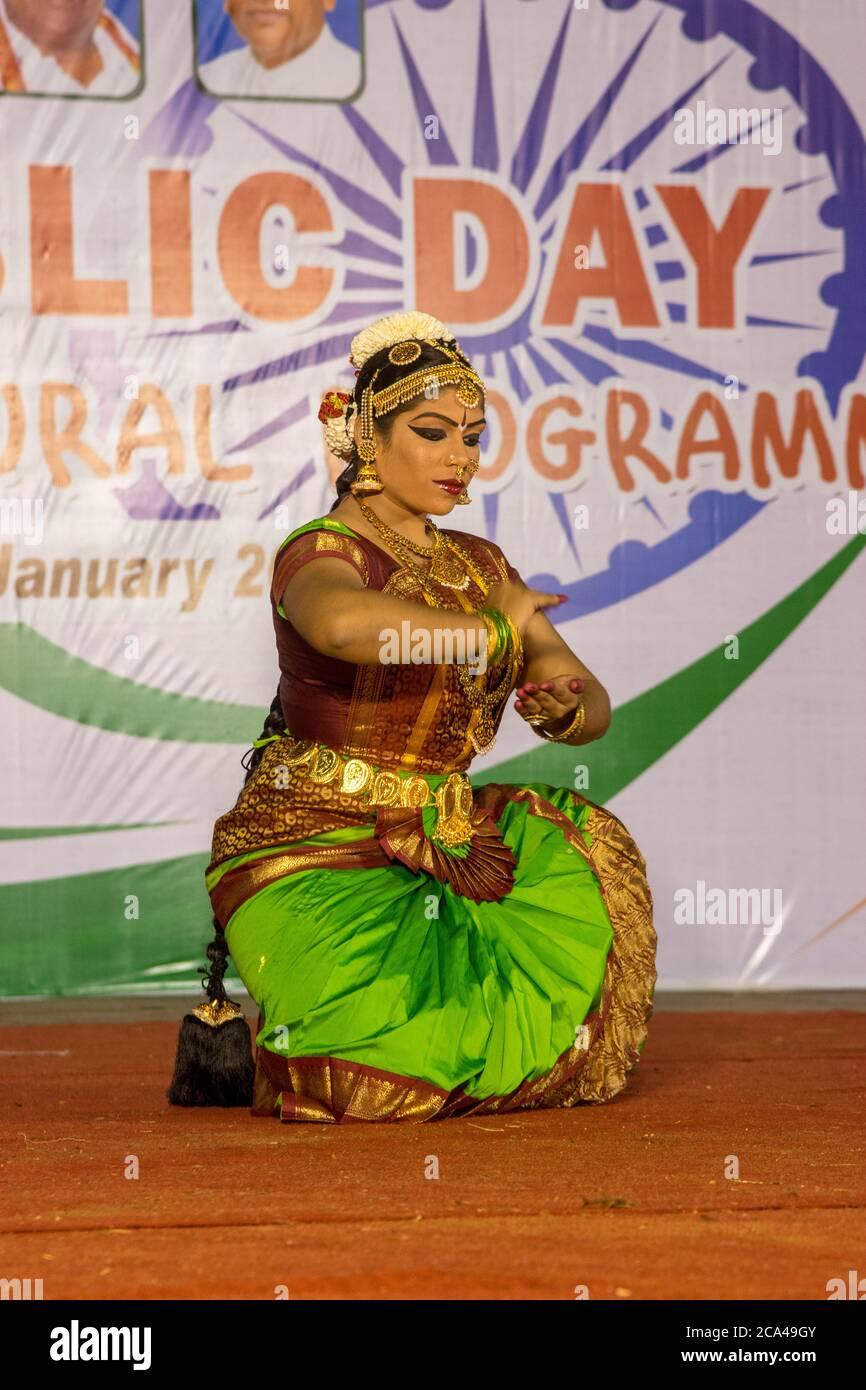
pixel 419 947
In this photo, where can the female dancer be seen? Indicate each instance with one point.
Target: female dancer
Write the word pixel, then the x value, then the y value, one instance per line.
pixel 417 947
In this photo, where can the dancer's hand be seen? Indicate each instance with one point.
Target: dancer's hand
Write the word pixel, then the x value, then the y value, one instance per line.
pixel 513 598
pixel 555 700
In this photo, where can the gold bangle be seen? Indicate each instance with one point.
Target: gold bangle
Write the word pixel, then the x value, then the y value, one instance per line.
pixel 574 727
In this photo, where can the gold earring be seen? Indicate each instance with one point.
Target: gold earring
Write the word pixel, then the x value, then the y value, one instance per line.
pixel 367 480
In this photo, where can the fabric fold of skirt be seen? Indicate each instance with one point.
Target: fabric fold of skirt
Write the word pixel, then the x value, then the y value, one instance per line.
pixel 385 995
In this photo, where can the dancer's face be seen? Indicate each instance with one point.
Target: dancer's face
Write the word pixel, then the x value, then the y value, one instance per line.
pixel 56 24
pixel 428 445
pixel 273 29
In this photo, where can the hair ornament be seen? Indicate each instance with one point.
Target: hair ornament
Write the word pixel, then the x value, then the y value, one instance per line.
pixel 402 354
pixel 333 405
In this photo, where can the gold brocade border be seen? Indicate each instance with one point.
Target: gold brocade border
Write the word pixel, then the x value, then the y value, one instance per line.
pixel 333 1090
pixel 295 553
pixel 436 692
pixel 533 1094
pixel 237 885
pixel 329 541
pixel 630 974
pixel 595 1069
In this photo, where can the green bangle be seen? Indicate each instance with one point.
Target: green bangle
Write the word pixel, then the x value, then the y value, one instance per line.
pixel 491 628
pixel 501 630
pixel 504 634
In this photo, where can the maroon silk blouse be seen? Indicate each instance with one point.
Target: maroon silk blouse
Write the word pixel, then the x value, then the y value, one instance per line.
pixel 397 716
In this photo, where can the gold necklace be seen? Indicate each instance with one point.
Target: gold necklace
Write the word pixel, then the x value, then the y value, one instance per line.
pixel 445 567
pixel 448 554
pixel 389 534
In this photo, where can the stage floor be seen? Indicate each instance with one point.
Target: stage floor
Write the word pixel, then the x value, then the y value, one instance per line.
pixel 628 1199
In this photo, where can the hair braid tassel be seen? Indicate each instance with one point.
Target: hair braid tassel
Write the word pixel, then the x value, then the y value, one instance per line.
pixel 214 1062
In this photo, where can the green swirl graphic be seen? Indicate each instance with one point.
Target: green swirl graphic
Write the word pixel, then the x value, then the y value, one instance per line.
pixel 154 951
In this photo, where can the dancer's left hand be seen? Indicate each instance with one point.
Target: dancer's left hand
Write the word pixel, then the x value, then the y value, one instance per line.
pixel 554 699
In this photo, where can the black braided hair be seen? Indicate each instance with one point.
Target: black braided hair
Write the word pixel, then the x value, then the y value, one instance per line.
pixel 275 723
pixel 214 1066
pixel 218 951
pixel 388 374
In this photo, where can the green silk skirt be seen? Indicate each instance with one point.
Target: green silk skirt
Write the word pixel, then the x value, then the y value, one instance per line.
pixel 383 994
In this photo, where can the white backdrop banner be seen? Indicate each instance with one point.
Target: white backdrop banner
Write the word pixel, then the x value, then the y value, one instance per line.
pixel 645 221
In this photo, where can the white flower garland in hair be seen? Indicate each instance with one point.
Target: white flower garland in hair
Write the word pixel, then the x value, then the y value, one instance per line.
pixel 395 328
pixel 338 434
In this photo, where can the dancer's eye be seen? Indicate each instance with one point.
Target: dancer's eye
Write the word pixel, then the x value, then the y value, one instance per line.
pixel 439 434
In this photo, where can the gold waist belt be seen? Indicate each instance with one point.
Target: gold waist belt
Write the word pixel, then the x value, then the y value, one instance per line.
pixel 376 786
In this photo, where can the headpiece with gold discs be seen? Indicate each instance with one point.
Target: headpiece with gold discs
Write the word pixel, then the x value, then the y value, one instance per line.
pixel 453 372
pixel 403 336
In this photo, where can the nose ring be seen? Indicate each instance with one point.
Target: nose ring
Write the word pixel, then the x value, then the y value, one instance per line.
pixel 461 466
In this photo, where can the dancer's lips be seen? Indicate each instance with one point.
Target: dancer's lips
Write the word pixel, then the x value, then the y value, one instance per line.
pixel 449 485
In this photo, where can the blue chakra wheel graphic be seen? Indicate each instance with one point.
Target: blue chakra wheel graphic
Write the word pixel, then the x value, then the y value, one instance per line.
pixel 596 109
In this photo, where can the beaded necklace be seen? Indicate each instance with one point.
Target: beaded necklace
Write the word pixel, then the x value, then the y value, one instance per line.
pixel 446 569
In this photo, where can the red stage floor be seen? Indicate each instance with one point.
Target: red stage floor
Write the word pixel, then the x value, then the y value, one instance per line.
pixel 629 1199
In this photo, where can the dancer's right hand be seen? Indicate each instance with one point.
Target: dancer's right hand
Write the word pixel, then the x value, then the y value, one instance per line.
pixel 513 598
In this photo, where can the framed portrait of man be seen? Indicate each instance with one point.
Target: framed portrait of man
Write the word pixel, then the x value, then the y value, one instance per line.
pixel 284 50
pixel 71 48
